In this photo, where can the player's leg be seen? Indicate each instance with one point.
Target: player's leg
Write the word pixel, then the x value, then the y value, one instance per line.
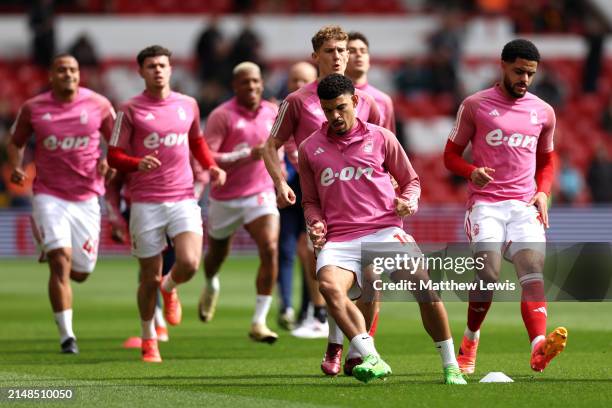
pixel 51 222
pixel 334 284
pixel 527 252
pixel 161 327
pixel 150 279
pixel 264 230
pixel 287 244
pixel 224 218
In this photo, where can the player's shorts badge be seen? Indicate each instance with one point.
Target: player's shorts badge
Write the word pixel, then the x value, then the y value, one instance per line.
pixel 475 229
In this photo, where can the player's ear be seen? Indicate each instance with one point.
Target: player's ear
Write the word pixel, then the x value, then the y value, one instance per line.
pixel 355 100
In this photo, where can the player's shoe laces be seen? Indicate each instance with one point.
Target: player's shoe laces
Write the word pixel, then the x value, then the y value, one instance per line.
pixel 69 346
pixel 466 358
pixel 332 360
pixel 350 364
pixel 261 333
pixel 548 348
pixel 311 329
pixel 172 306
pixel 150 351
pixel 162 333
pixel 207 304
pixel 372 367
pixel 452 375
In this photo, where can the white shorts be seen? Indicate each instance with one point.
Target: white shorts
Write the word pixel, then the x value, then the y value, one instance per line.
pixel 151 222
pixel 348 254
pixel 505 227
pixel 226 216
pixel 59 223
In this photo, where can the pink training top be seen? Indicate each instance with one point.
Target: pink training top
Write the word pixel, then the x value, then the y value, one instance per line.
pixel 162 127
pixel 505 133
pixel 300 114
pixel 231 132
pixel 384 103
pixel 345 180
pixel 67 142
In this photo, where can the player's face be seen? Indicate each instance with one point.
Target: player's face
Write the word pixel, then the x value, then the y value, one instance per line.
pixel 156 72
pixel 340 112
pixel 518 75
pixel 248 87
pixel 300 76
pixel 65 76
pixel 359 58
pixel 331 58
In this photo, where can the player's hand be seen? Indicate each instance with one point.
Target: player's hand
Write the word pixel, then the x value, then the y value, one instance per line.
pixel 106 171
pixel 540 200
pixel 284 196
pixel 404 208
pixel 257 152
pixel 217 176
pixel 118 234
pixel 148 163
pixel 482 176
pixel 316 232
pixel 18 176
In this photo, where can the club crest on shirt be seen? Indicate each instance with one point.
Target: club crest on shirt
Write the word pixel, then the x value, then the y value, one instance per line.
pixel 534 117
pixel 181 113
pixel 368 146
pixel 241 124
pixel 269 125
pixel 84 118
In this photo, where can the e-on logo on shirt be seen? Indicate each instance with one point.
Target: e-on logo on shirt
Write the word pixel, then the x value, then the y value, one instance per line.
pixel 153 141
pixel 328 177
pixel 52 142
pixel 497 138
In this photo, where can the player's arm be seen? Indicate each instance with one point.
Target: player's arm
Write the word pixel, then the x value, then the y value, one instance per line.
pixel 20 132
pixel 458 139
pixel 281 131
pixel 118 157
pixel 112 201
pixel 106 130
pixel 201 152
pixel 390 119
pixel 217 129
pixel 315 222
pixel 545 171
pixel 408 189
pixel 374 116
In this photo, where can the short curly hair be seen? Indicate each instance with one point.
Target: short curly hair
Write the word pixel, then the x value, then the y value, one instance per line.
pixel 334 85
pixel 520 48
pixel 152 51
pixel 327 33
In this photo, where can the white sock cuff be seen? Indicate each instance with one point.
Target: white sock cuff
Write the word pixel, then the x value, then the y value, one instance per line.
pixel 213 283
pixel 536 341
pixel 446 348
pixel 472 335
pixel 531 277
pixel 148 329
pixel 262 306
pixel 335 335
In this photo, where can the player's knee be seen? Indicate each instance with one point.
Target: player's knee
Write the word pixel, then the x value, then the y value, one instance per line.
pixel 79 276
pixel 268 251
pixel 188 265
pixel 329 289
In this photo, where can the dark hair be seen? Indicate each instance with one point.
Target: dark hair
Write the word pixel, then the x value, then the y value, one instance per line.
pixel 520 48
pixel 152 51
pixel 61 55
pixel 356 35
pixel 327 33
pixel 334 85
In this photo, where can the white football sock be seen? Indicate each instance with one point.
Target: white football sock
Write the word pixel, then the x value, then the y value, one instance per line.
pixel 536 341
pixel 213 283
pixel 364 344
pixel 335 335
pixel 262 306
pixel 168 283
pixel 446 348
pixel 352 352
pixel 471 335
pixel 63 320
pixel 148 329
pixel 159 317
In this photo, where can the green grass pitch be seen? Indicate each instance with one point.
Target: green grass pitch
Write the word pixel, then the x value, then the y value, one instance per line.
pixel 216 365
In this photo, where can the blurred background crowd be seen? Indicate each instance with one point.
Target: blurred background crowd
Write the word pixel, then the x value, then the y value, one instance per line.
pixel 426 86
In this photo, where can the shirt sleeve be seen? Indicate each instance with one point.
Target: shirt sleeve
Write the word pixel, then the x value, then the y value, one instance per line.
pixel 310 196
pixel 108 120
pixel 374 116
pixel 22 129
pixel 399 166
pixel 286 120
pixel 464 128
pixel 122 130
pixel 390 116
pixel 545 141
